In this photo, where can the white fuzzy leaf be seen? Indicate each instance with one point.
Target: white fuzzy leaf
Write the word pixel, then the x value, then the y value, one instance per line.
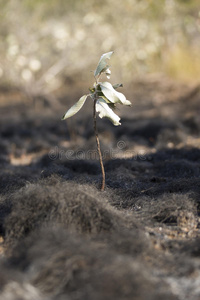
pixel 105 111
pixel 75 108
pixel 102 63
pixel 108 72
pixel 112 95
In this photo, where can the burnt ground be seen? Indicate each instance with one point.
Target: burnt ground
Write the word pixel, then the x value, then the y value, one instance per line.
pixel 61 237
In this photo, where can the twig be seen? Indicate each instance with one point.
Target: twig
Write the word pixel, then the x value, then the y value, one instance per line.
pixel 98 145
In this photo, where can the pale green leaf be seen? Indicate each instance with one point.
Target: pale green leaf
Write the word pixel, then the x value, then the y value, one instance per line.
pixel 105 111
pixel 116 86
pixel 102 65
pixel 112 95
pixel 75 108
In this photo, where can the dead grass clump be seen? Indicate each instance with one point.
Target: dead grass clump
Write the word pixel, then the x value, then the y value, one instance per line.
pixel 79 207
pixel 60 264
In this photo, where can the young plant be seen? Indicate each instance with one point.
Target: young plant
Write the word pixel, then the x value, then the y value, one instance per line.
pixel 104 97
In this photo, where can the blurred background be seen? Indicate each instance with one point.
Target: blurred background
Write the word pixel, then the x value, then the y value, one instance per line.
pixel 46 45
pixel 48 53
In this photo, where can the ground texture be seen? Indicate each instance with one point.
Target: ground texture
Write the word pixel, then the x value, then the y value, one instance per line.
pixel 61 237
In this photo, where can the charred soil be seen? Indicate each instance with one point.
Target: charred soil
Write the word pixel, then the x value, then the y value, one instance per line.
pixel 62 238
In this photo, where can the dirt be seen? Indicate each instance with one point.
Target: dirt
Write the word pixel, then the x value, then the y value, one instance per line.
pixel 61 237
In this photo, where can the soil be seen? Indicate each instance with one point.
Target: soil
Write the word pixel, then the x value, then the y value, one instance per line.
pixel 61 237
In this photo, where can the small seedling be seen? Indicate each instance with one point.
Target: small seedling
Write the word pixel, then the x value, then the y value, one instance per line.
pixel 104 97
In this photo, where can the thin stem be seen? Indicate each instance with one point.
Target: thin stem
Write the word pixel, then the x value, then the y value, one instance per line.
pixel 98 145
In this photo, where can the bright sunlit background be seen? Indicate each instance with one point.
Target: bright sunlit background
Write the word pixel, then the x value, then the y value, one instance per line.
pixel 44 42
